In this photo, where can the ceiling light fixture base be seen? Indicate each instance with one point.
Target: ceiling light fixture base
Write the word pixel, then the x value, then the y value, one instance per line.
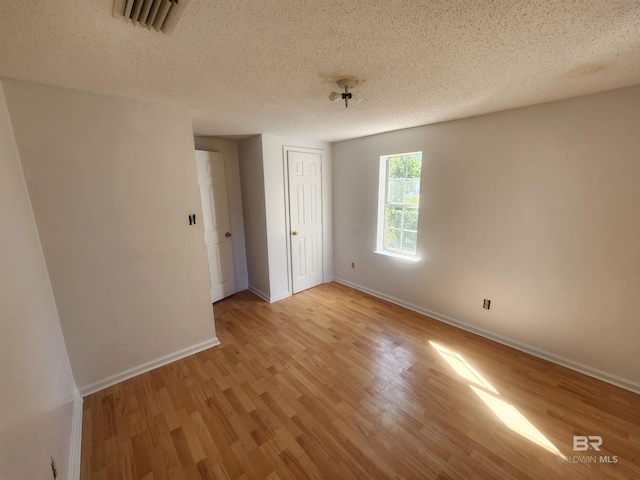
pixel 346 84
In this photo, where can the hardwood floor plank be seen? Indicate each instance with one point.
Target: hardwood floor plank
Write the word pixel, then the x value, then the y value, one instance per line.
pixel 335 384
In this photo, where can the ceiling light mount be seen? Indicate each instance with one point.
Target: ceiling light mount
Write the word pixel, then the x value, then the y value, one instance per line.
pixel 346 84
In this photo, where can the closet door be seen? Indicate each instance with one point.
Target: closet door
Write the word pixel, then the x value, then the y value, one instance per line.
pixel 305 218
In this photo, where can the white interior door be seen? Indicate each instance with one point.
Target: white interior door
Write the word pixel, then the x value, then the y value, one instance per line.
pixel 305 218
pixel 217 233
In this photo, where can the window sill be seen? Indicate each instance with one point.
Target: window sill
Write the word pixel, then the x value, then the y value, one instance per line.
pixel 397 255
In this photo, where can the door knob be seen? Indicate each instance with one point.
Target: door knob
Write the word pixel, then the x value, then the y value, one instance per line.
pixel 295 232
pixel 227 234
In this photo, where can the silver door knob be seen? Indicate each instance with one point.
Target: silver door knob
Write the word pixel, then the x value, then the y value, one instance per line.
pixel 227 234
pixel 294 232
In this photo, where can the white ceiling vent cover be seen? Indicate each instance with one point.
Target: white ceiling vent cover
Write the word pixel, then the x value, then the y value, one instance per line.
pixel 163 15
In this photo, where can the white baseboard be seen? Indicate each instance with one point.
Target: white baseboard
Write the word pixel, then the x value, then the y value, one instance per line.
pixel 76 438
pixel 145 367
pixel 509 342
pixel 259 293
pixel 269 298
pixel 282 296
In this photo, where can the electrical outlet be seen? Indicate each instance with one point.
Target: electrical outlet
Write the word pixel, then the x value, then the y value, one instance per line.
pixel 353 265
pixel 54 470
pixel 487 304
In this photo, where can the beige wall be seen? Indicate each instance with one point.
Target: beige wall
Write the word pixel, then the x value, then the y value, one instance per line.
pixel 229 151
pixel 112 182
pixel 535 208
pixel 255 223
pixel 274 164
pixel 37 389
pixel 262 167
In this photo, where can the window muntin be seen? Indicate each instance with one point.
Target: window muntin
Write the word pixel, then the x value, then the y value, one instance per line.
pixel 399 204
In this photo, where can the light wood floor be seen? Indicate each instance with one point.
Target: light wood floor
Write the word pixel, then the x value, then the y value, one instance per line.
pixel 335 384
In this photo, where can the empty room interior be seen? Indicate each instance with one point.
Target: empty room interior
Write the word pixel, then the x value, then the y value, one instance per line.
pixel 325 239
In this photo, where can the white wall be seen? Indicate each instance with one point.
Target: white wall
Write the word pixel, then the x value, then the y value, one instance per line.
pixel 229 150
pixel 37 389
pixel 535 208
pixel 112 182
pixel 275 198
pixel 262 176
pixel 253 208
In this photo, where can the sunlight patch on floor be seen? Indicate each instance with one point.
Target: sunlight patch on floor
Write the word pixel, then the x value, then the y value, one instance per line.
pixel 513 419
pixel 463 368
pixel 506 412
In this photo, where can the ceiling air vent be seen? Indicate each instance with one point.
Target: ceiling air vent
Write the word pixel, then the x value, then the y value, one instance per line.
pixel 163 15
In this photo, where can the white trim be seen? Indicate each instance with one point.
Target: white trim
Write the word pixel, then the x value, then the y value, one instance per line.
pixel 277 298
pixel 388 253
pixel 269 298
pixel 76 438
pixel 146 367
pixel 509 342
pixel 382 192
pixel 259 293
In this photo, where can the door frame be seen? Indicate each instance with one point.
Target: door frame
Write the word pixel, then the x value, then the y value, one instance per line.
pixel 287 219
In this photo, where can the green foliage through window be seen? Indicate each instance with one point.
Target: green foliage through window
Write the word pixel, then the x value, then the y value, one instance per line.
pixel 401 203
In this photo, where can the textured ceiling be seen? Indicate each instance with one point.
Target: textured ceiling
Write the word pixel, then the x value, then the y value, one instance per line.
pixel 267 66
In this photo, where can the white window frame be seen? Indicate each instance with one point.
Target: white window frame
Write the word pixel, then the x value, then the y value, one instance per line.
pixel 383 183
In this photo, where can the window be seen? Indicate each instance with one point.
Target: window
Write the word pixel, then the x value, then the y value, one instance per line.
pixel 398 204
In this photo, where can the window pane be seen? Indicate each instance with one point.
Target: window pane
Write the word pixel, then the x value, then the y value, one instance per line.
pixel 414 165
pixel 392 239
pixel 394 217
pixel 395 192
pixel 398 207
pixel 397 167
pixel 409 241
pixel 411 190
pixel 410 219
